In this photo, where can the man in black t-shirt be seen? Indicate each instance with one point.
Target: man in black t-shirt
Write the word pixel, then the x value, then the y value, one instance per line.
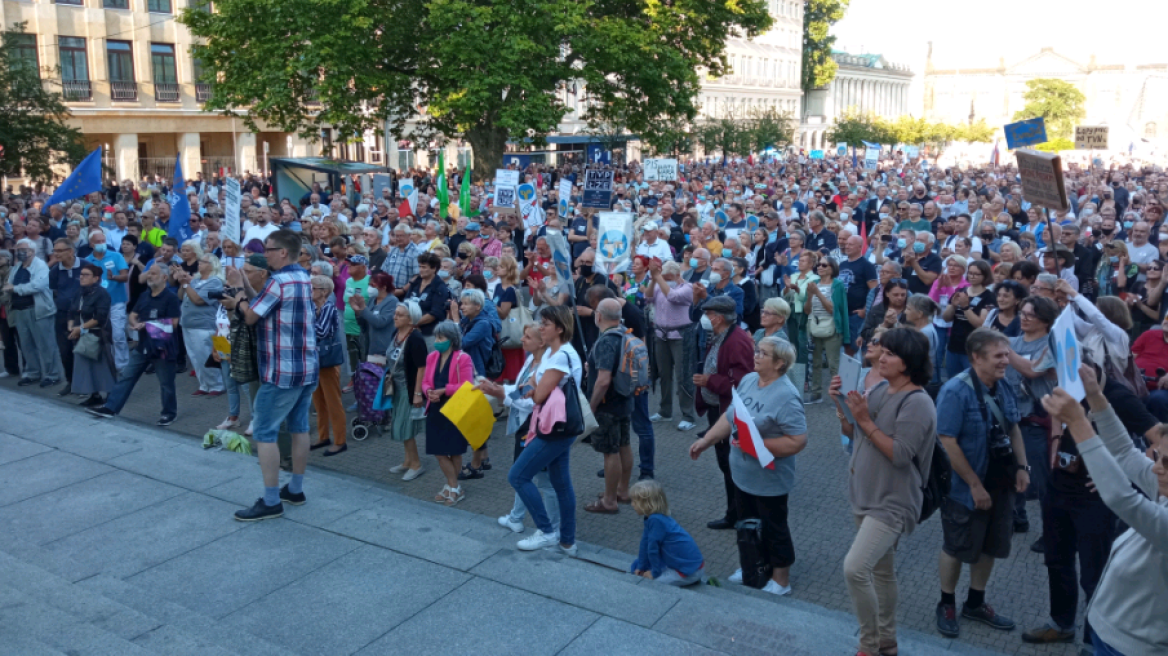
pixel 611 408
pixel 922 266
pixel 858 276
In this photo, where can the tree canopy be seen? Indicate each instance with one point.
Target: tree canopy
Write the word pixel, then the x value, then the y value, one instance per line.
pixel 855 128
pixel 1059 102
pixel 33 130
pixel 818 17
pixel 481 70
pixel 754 132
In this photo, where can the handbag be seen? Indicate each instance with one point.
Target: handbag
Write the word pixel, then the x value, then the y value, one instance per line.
pixel 752 554
pixel 495 364
pixel 331 354
pixel 821 326
pixel 518 319
pixel 88 346
pixel 578 418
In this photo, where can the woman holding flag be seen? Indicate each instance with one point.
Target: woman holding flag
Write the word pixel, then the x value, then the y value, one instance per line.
pixel 767 427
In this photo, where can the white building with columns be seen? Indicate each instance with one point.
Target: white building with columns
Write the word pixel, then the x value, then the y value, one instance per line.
pixel 868 84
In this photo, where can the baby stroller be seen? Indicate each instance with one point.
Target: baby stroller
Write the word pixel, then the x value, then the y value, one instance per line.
pixel 366 382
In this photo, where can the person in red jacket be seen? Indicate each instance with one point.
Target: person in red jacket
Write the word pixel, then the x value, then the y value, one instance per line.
pixel 1151 353
pixel 728 357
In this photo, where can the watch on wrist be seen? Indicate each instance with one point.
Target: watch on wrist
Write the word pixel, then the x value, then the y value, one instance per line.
pixel 1025 468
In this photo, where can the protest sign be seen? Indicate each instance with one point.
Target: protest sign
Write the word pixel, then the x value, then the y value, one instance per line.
pixel 506 183
pixel 664 170
pixel 1042 179
pixel 231 228
pixel 1091 137
pixel 597 189
pixel 817 154
pixel 565 196
pixel 613 246
pixel 381 184
pixel 871 158
pixel 1030 132
pixel 1068 354
pixel 527 198
pixel 841 148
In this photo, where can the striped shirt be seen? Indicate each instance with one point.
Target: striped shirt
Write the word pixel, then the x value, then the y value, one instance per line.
pixel 286 336
pixel 402 263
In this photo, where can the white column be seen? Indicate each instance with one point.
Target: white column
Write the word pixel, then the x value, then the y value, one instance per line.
pixel 126 156
pixel 190 154
pixel 884 99
pixel 246 152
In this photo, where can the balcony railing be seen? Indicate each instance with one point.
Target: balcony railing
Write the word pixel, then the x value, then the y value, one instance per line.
pixel 76 90
pixel 124 91
pixel 167 92
pixel 202 92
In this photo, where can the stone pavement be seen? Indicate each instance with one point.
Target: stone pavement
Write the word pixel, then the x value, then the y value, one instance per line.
pixel 819 520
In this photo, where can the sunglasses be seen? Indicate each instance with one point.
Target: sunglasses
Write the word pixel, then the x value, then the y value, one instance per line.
pixel 1162 458
pixel 898 281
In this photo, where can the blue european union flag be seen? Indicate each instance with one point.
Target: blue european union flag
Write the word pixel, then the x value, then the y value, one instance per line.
pixel 180 205
pixel 85 179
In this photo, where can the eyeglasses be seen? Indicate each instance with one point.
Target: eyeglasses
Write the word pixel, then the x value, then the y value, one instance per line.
pixel 269 249
pixel 1027 315
pixel 898 281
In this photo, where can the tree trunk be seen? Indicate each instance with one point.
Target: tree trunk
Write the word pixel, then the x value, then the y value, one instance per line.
pixel 489 142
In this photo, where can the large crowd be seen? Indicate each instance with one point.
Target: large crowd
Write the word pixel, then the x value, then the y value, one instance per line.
pixel 752 289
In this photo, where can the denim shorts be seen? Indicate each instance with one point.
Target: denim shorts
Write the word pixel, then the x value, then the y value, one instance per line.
pixel 274 406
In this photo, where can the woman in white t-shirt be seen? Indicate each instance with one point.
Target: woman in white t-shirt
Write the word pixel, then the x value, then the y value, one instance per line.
pixel 559 362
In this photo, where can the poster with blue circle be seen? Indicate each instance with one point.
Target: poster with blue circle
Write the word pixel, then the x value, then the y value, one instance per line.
pixel 527 192
pixel 751 222
pixel 721 218
pixel 1068 355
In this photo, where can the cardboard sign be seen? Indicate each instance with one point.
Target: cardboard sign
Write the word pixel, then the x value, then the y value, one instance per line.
pixel 1042 179
pixel 1091 137
pixel 817 154
pixel 841 148
pixel 871 158
pixel 565 196
pixel 1030 132
pixel 527 199
pixel 598 189
pixel 231 227
pixel 664 170
pixel 614 251
pixel 506 191
pixel 1068 355
pixel 912 152
pixel 381 184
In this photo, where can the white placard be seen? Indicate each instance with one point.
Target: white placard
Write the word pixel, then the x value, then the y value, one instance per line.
pixel 565 196
pixel 1091 137
pixel 1068 355
pixel 506 178
pixel 664 170
pixel 231 228
pixel 871 158
pixel 614 252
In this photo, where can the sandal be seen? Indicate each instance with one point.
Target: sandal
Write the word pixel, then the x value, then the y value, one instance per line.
pixel 469 473
pixel 444 495
pixel 598 507
pixel 485 465
pixel 456 495
pixel 619 499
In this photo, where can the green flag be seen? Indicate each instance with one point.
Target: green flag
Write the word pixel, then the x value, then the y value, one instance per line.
pixel 443 193
pixel 464 195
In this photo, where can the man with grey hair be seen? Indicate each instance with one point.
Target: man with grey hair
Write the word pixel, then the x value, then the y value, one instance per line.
pixel 922 265
pixel 820 239
pixel 401 260
pixel 613 410
pixel 33 312
pixel 372 239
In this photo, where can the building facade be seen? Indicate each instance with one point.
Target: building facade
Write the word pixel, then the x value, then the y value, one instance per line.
pixel 867 84
pixel 1131 99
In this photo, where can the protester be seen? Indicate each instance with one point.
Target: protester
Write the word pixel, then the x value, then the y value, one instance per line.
pixel 326 399
pixel 826 309
pixel 612 408
pixel 90 315
pixel 65 282
pixel 199 309
pixel 241 375
pixel 405 368
pixel 672 296
pixel 447 368
pixel 33 312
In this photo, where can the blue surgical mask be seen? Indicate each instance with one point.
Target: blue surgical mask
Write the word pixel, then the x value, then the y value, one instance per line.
pixel 443 274
pixel 1114 259
pixel 774 236
pixel 901 243
pixel 726 252
pixel 919 247
pixel 1127 225
pixel 99 249
pixel 693 262
pixel 442 346
pixel 488 274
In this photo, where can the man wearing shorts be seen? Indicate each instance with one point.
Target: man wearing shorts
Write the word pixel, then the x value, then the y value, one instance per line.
pixel 613 410
pixel 977 421
pixel 286 344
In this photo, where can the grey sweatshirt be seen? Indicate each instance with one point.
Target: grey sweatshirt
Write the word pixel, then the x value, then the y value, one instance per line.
pixel 1130 607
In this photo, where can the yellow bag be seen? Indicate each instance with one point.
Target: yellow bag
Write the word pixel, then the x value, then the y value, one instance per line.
pixel 471 414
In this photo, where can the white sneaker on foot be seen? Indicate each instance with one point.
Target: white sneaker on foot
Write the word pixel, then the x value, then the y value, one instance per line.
pixel 398 469
pixel 570 552
pixel 506 522
pixel 411 474
pixel 736 577
pixel 776 589
pixel 538 540
pixel 658 417
pixel 228 423
pixel 685 425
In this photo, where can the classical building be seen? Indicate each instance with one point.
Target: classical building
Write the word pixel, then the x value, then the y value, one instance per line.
pixel 1131 99
pixel 868 84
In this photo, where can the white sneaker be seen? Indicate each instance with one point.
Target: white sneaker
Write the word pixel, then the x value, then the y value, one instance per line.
pixel 505 522
pixel 685 425
pixel 411 474
pixel 538 540
pixel 736 577
pixel 4 374
pixel 656 417
pixel 776 589
pixel 250 427
pixel 228 423
pixel 398 469
pixel 570 552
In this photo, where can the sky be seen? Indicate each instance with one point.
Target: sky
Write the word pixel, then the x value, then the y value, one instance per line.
pixel 977 35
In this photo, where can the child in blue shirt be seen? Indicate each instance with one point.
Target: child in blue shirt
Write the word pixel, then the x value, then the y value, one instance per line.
pixel 668 554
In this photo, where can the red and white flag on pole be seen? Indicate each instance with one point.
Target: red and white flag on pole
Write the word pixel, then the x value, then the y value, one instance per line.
pixel 749 439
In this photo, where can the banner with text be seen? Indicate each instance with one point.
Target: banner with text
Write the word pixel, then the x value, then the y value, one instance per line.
pixel 1090 137
pixel 231 228
pixel 597 189
pixel 664 170
pixel 614 250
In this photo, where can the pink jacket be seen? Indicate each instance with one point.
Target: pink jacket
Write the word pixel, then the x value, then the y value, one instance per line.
pixel 545 417
pixel 461 371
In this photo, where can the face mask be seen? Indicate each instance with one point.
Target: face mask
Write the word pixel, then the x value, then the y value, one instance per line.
pixel 715 278
pixel 693 262
pixel 706 324
pixel 22 254
pixel 883 215
pixel 442 347
pixel 443 274
pixel 726 252
pixel 774 236
pixel 488 274
pixel 901 243
pixel 99 249
pixel 1002 227
pixel 586 270
pixel 1107 231
pixel 1163 236
pixel 1127 225
pixel 918 247
pixel 1114 259
pixel 107 216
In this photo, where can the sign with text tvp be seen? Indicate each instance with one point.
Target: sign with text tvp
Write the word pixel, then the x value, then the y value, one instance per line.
pixel 1030 132
pixel 597 189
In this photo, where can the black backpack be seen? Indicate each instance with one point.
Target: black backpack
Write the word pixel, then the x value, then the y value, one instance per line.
pixel 935 486
pixel 752 554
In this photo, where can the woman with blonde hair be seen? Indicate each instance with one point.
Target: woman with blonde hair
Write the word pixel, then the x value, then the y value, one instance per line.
pixel 199 310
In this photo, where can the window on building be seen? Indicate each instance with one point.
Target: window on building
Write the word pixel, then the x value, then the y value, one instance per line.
pixel 1150 130
pixel 158 6
pixel 162 63
pixel 116 4
pixel 74 3
pixel 74 59
pixel 121 61
pixel 24 50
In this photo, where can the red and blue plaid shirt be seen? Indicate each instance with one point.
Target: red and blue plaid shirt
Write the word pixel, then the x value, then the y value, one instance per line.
pixel 286 335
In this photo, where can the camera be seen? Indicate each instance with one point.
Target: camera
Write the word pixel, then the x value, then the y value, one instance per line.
pixel 219 295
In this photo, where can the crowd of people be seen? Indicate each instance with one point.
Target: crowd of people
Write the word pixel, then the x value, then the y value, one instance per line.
pixel 749 284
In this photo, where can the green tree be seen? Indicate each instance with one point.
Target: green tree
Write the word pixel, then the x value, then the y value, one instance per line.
pixel 34 131
pixel 1057 101
pixel 723 135
pixel 482 70
pixel 854 128
pixel 979 132
pixel 1056 144
pixel 818 17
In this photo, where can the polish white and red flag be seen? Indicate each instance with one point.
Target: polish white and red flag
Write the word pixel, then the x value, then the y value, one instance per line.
pixel 749 439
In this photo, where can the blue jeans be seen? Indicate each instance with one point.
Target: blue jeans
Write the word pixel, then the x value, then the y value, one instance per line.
pixel 939 354
pixel 646 443
pixel 1102 648
pixel 554 456
pixel 519 511
pixel 275 406
pixel 236 391
pixel 130 375
pixel 1157 403
pixel 955 363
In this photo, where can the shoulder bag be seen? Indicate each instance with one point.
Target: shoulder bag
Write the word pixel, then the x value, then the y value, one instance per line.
pixel 88 346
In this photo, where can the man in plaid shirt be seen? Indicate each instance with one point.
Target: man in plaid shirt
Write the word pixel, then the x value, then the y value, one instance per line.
pixel 401 261
pixel 286 342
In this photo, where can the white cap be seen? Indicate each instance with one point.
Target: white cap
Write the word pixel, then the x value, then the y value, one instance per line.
pixel 651 226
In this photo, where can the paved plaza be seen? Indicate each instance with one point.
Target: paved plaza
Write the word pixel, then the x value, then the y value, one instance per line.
pixel 370 563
